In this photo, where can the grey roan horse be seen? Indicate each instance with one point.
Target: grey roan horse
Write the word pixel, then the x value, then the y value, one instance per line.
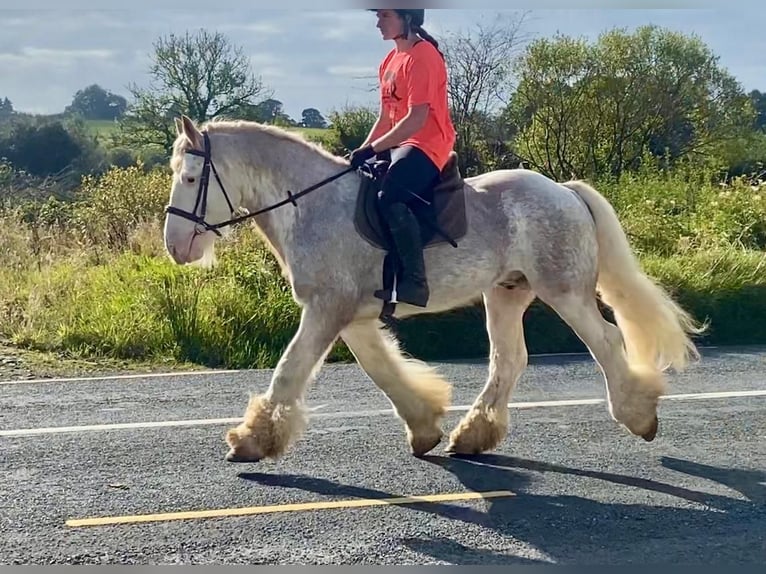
pixel 527 237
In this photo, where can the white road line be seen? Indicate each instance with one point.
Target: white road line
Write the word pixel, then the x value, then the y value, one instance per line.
pixel 221 372
pixel 118 426
pixel 716 395
pixel 350 414
pixel 121 377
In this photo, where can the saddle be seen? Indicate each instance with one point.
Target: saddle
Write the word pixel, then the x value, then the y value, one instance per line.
pixel 440 222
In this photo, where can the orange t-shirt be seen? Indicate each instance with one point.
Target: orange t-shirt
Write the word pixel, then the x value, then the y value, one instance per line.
pixel 419 76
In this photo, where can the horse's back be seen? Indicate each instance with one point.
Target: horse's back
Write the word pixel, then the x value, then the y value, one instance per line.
pixel 519 190
pixel 537 225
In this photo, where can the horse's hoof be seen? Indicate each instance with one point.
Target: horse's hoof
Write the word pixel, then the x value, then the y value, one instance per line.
pixel 456 449
pixel 232 456
pixel 652 432
pixel 421 446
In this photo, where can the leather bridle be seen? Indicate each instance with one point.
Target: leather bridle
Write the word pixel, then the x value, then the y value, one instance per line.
pixel 201 201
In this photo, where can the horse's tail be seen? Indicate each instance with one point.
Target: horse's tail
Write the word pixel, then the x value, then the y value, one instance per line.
pixel 655 329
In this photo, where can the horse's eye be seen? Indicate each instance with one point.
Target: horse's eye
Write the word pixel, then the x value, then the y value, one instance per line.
pixel 190 179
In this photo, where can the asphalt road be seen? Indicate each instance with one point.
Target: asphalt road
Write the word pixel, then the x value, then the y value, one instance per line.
pixel 574 487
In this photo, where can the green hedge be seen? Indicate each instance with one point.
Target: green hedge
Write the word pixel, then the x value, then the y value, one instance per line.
pixel 239 316
pixel 724 288
pixel 90 278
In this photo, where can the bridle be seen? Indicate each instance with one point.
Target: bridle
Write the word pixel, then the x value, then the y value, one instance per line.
pixel 201 202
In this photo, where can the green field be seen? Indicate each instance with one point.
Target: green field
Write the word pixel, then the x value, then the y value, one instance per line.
pixel 90 279
pixel 104 128
pixel 101 128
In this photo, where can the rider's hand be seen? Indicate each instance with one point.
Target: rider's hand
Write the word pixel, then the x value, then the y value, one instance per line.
pixel 361 155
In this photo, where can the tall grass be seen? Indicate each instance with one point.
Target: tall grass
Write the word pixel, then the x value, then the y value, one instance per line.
pixel 90 278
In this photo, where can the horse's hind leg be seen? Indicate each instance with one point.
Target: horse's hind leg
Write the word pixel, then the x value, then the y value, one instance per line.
pixel 486 424
pixel 632 392
pixel 418 394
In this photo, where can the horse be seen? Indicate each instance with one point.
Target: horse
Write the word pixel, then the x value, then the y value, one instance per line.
pixel 527 237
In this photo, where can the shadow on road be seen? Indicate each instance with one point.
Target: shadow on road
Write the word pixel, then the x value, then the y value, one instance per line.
pixel 576 529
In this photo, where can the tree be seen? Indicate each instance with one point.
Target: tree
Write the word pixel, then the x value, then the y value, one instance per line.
pixel 6 108
pixel 201 75
pixel 349 127
pixel 587 110
pixel 96 103
pixel 42 150
pixel 312 118
pixel 480 70
pixel 267 111
pixel 758 99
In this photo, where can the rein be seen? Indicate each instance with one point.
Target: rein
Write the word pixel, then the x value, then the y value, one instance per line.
pixel 203 188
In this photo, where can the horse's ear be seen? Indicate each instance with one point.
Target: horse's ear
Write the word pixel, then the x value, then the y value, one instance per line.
pixel 190 131
pixel 179 126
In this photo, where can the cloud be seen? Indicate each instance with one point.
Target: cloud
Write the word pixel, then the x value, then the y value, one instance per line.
pixel 351 71
pixel 57 54
pixel 54 20
pixel 268 66
pixel 271 72
pixel 264 28
pixel 14 22
pixel 343 25
pixel 310 58
pixel 335 33
pixel 353 16
pixel 30 56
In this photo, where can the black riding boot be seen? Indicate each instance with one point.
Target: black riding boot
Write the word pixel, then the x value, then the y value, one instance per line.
pixel 411 286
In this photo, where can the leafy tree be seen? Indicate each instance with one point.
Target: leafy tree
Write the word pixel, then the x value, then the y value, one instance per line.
pixel 6 108
pixel 349 127
pixel 96 103
pixel 41 150
pixel 480 64
pixel 312 118
pixel 201 75
pixel 598 109
pixel 268 111
pixel 758 99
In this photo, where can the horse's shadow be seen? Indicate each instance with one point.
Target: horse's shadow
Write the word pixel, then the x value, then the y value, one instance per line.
pixel 575 529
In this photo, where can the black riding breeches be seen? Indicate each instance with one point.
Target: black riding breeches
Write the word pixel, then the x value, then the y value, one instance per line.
pixel 410 179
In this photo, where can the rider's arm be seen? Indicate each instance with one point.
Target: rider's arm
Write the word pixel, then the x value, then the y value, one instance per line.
pixel 407 127
pixel 380 127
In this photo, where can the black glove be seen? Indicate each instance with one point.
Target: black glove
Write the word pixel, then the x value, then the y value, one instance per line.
pixel 361 155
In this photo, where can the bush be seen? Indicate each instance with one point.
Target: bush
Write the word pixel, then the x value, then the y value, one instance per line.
pixel 348 129
pixel 724 288
pixel 90 277
pixel 665 213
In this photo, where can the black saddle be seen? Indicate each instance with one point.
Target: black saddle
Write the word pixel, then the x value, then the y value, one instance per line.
pixel 443 221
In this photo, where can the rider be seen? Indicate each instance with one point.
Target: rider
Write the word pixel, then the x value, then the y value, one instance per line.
pixel 415 127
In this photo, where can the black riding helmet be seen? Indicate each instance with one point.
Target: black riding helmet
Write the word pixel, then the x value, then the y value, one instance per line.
pixel 417 17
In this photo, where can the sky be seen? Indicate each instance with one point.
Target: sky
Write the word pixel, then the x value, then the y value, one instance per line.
pixel 306 58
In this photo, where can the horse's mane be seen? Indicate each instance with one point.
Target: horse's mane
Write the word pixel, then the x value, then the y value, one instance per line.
pixel 251 127
pixel 248 127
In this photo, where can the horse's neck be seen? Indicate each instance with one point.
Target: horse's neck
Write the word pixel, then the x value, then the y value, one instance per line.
pixel 275 167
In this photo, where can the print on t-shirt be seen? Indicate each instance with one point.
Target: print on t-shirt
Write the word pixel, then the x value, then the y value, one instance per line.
pixel 390 98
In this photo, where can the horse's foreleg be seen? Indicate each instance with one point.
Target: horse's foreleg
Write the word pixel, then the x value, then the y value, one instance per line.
pixel 274 420
pixel 419 395
pixel 485 425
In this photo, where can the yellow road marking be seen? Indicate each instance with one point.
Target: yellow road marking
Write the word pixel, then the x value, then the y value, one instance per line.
pixel 325 505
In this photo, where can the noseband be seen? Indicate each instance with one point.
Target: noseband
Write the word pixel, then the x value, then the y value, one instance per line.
pixel 201 202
